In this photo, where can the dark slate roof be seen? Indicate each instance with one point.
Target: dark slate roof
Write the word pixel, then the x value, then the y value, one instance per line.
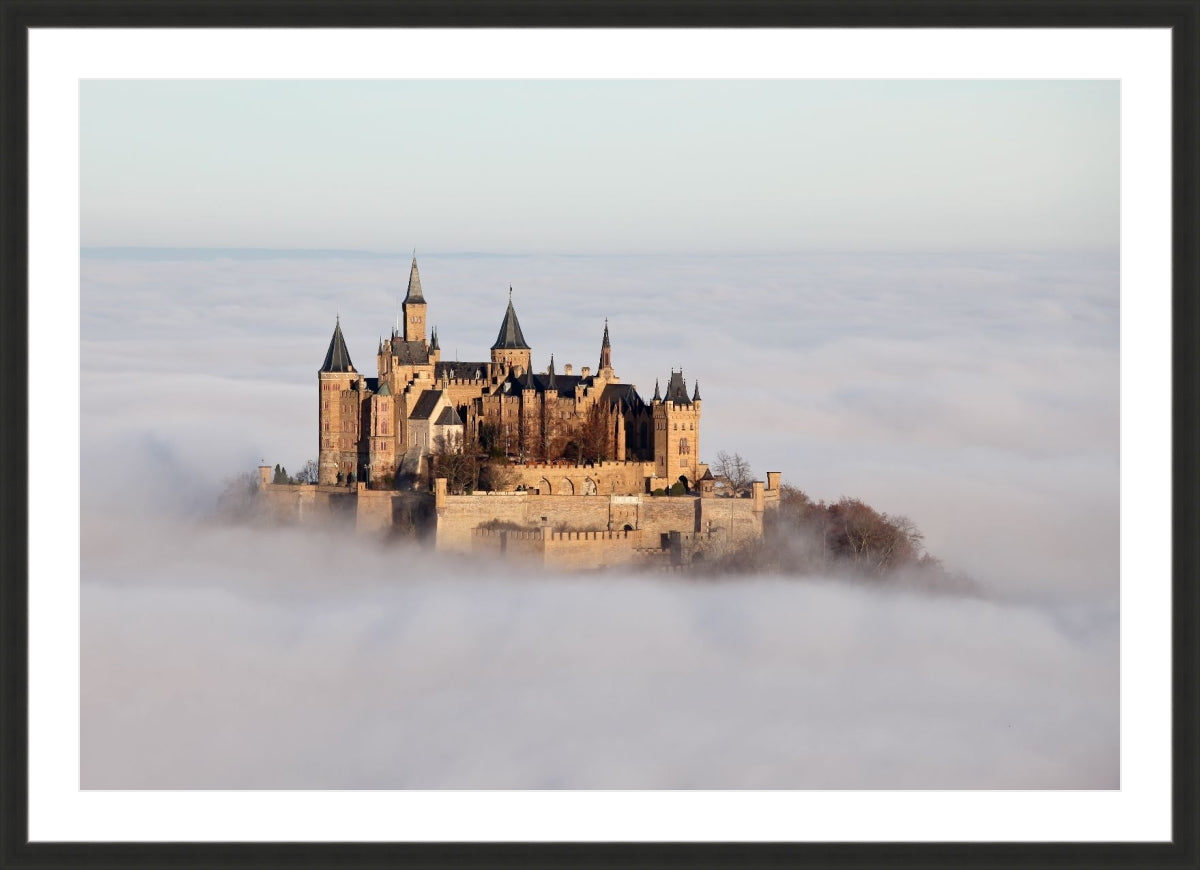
pixel 410 353
pixel 510 336
pixel 433 342
pixel 337 358
pixel 414 284
pixel 708 475
pixel 384 389
pixel 605 343
pixel 696 392
pixel 423 410
pixel 565 384
pixel 448 417
pixel 464 371
pixel 624 394
pixel 677 390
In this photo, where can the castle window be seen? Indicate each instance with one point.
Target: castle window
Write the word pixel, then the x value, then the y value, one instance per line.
pixel 684 447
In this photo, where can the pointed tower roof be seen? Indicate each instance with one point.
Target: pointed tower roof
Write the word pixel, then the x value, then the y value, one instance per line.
pixel 677 389
pixel 606 342
pixel 384 390
pixel 657 395
pixel 550 382
pixel 433 342
pixel 414 285
pixel 696 392
pixel 337 358
pixel 510 336
pixel 529 382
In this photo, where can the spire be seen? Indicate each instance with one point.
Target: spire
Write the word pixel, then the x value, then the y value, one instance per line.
pixel 605 350
pixel 696 392
pixel 657 395
pixel 550 382
pixel 414 285
pixel 510 330
pixel 337 358
pixel 529 384
pixel 433 343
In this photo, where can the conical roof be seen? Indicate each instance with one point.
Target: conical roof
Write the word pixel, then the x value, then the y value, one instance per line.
pixel 510 336
pixel 696 392
pixel 337 358
pixel 414 285
pixel 606 342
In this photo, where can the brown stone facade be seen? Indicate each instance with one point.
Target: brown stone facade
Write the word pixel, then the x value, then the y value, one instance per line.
pixel 596 475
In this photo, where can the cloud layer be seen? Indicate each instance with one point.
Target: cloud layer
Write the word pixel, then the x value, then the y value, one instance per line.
pixel 975 394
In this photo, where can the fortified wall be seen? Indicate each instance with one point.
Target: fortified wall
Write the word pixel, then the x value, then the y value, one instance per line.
pixel 575 532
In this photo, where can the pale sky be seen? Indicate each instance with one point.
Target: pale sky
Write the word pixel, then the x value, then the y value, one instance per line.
pixel 560 166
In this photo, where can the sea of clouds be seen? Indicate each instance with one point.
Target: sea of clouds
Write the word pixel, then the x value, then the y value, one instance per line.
pixel 976 394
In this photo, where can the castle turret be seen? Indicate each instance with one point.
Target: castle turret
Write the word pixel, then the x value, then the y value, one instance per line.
pixel 435 349
pixel 510 348
pixel 414 306
pixel 337 422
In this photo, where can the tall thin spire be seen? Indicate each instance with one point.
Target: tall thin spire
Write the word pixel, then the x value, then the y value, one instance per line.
pixel 696 391
pixel 414 284
pixel 550 381
pixel 657 395
pixel 606 350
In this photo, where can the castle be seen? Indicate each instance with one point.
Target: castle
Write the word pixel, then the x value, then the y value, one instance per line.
pixel 590 468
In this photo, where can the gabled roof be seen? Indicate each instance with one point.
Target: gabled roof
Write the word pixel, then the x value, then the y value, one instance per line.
pixel 410 353
pixel 510 337
pixel 426 405
pixel 564 384
pixel 337 358
pixel 414 285
pixel 448 417
pixel 462 371
pixel 624 394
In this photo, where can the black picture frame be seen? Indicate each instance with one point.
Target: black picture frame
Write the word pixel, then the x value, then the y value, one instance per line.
pixel 18 16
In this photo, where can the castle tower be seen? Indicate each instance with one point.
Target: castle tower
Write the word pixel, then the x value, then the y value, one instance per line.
pixel 334 379
pixel 676 432
pixel 414 306
pixel 510 348
pixel 606 370
pixel 381 448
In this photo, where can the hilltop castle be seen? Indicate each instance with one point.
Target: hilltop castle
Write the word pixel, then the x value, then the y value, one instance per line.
pixel 593 474
pixel 384 429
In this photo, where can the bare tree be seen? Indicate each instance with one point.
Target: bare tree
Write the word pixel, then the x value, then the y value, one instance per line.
pixel 455 462
pixel 307 474
pixel 733 472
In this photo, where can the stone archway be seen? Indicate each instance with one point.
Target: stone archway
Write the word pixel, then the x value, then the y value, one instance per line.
pixel 589 486
pixel 567 488
pixel 544 487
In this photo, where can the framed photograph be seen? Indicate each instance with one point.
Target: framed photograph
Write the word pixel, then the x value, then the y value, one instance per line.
pixel 732 436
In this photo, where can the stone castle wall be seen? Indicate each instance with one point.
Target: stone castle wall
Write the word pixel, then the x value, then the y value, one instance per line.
pixel 572 532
